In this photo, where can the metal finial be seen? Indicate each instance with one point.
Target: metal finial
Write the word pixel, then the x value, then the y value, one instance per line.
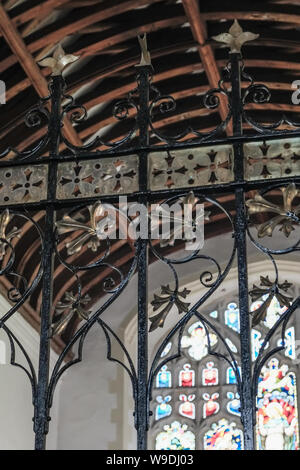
pixel 236 37
pixel 145 54
pixel 58 61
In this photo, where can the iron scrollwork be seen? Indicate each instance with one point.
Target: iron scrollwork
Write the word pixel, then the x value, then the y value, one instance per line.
pixel 93 175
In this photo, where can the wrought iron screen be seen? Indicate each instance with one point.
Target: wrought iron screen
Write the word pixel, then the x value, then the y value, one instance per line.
pixel 68 185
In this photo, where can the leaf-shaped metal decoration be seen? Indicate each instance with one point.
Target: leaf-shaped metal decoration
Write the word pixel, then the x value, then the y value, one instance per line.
pixel 145 54
pixel 186 225
pixel 285 217
pixel 168 298
pixel 236 37
pixel 273 290
pixel 59 61
pixel 73 306
pixel 93 231
pixel 5 238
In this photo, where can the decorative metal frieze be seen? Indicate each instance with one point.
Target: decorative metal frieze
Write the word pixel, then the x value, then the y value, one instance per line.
pixel 287 214
pixel 97 177
pixel 23 184
pixel 272 159
pixel 191 167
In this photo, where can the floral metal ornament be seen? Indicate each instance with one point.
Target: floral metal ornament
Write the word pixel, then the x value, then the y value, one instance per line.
pixel 271 289
pixel 285 217
pixel 169 297
pixel 5 238
pixel 93 231
pixel 74 307
pixel 236 37
pixel 180 225
pixel 59 61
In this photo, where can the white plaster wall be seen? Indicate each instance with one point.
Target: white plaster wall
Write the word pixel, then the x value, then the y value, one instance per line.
pixel 88 399
pixel 16 409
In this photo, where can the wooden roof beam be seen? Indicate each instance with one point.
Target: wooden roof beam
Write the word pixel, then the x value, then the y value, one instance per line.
pixel 108 10
pixel 206 53
pixel 30 67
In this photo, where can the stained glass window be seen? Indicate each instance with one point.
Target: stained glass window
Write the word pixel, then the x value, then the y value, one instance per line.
pixel 163 409
pixel 223 436
pixel 201 406
pixel 187 376
pixel 196 341
pixel 175 436
pixel 187 408
pixel 164 378
pixel 277 415
pixel 232 318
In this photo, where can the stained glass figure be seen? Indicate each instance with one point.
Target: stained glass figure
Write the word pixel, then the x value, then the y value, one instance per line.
pixel 274 310
pixel 210 375
pixel 211 407
pixel 197 342
pixel 277 416
pixel 175 437
pixel 230 376
pixel 164 378
pixel 164 409
pixel 234 404
pixel 166 350
pixel 232 318
pixel 187 408
pixel 187 376
pixel 223 436
pixel 289 343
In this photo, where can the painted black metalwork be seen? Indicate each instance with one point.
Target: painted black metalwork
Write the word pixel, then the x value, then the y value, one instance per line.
pixel 143 102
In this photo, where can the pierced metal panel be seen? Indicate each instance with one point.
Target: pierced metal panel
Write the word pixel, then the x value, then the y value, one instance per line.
pixel 23 184
pixel 96 177
pixel 272 158
pixel 191 167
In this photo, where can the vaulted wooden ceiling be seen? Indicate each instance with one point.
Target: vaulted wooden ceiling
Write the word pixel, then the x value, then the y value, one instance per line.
pixel 186 61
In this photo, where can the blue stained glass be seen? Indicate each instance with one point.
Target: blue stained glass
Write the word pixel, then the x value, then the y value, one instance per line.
pixel 232 319
pixel 230 375
pixel 234 404
pixel 163 409
pixel 164 378
pixel 289 343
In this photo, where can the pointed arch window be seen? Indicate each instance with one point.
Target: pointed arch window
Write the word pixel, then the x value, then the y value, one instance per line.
pixel 201 404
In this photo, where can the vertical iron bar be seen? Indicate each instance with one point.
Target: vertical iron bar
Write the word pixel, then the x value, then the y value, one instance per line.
pixel 247 398
pixel 41 417
pixel 142 403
